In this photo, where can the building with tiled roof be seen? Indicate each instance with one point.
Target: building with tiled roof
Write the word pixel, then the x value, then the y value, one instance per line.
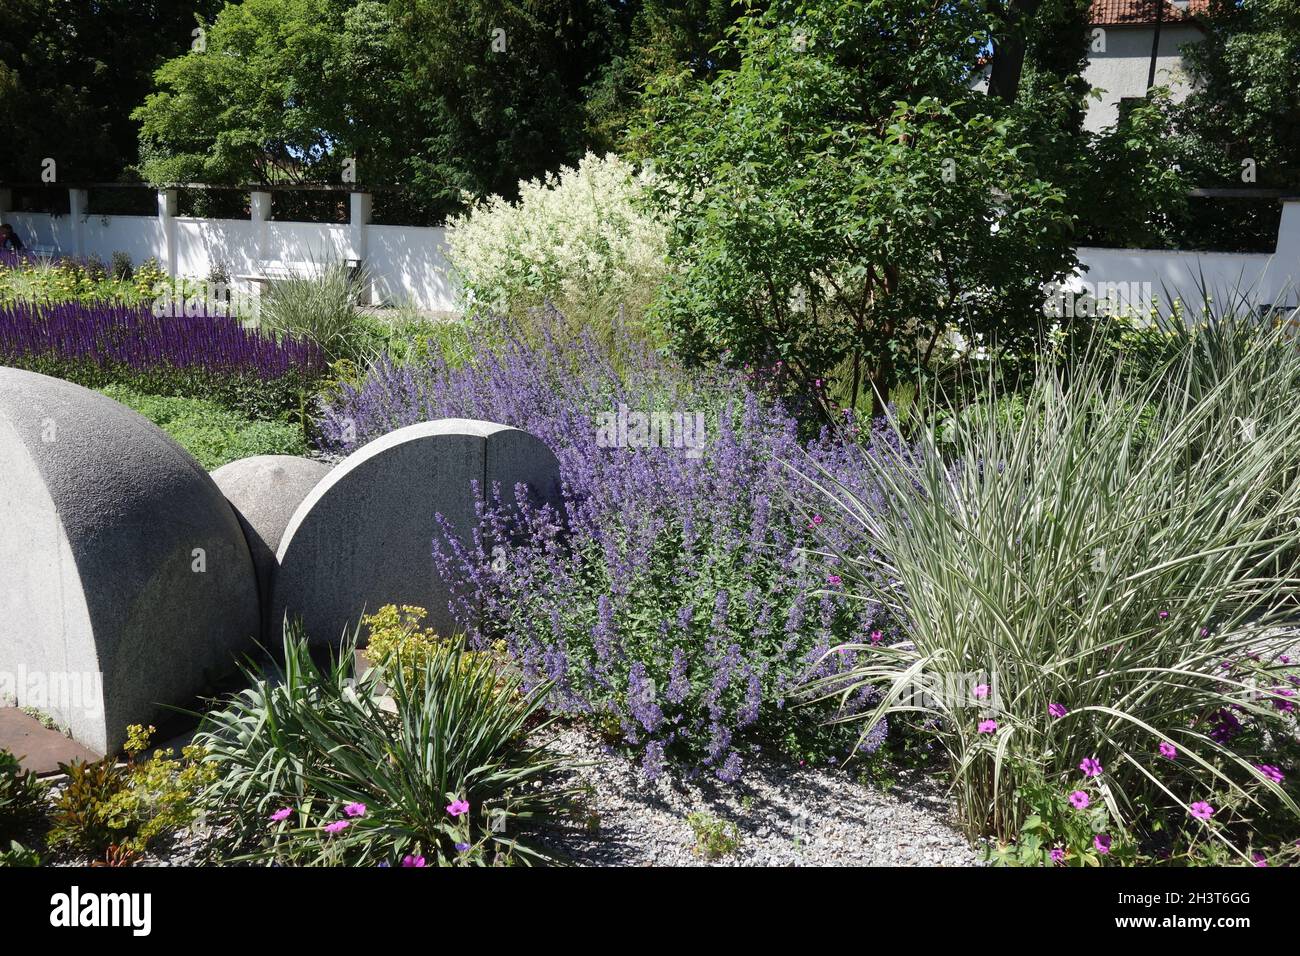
pixel 1109 13
pixel 1136 44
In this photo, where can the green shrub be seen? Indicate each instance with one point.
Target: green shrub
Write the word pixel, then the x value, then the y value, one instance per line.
pixel 22 797
pixel 314 769
pixel 84 814
pixel 121 268
pixel 214 435
pixel 582 240
pixel 19 856
pixel 1117 584
pixel 114 812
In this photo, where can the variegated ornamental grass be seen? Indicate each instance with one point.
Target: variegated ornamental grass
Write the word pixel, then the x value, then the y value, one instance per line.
pixel 1122 561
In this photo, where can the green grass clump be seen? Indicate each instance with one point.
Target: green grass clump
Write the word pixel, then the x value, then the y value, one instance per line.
pixel 210 432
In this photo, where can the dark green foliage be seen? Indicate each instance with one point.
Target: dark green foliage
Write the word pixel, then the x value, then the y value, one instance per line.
pixel 843 197
pixel 22 797
pixel 70 74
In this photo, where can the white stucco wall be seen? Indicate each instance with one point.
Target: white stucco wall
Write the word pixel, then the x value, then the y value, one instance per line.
pixel 406 263
pixel 1121 70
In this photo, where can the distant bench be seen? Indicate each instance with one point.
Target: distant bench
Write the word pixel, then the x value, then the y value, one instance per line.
pixel 281 271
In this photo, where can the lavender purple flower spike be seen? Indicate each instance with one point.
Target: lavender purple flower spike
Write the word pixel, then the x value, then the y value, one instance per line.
pixel 132 336
pixel 681 607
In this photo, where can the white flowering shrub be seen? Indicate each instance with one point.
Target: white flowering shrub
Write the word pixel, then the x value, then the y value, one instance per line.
pixel 581 240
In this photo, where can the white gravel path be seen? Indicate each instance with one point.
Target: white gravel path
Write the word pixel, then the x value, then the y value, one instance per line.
pixel 786 816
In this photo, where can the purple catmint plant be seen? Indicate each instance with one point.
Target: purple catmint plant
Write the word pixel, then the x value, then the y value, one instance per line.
pixel 677 600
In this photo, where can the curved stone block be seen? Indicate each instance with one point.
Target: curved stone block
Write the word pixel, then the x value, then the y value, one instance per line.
pixel 127 581
pixel 362 538
pixel 265 491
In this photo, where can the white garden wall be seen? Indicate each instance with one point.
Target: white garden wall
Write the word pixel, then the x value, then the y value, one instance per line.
pixel 1140 274
pixel 408 264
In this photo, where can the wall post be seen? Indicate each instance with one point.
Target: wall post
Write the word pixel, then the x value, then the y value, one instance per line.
pixel 78 201
pixel 359 210
pixel 167 219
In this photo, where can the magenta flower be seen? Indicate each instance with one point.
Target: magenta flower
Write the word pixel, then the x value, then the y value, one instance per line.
pixel 1057 854
pixel 1271 772
pixel 1163 615
pixel 1284 659
pixel 877 637
pixel 1168 750
pixel 458 807
pixel 1090 767
pixel 988 726
pixel 1057 710
pixel 1201 810
pixel 338 826
pixel 1102 843
pixel 1079 800
pixel 1260 859
pixel 832 579
pixel 412 860
pixel 281 814
pixel 355 809
pixel 981 691
pixel 817 519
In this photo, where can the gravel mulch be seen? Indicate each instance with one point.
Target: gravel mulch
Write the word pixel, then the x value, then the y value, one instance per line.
pixel 786 815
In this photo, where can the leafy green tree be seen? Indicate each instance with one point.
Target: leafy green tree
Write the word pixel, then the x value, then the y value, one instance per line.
pixel 497 89
pixel 70 74
pixel 438 97
pixel 1245 104
pixel 844 196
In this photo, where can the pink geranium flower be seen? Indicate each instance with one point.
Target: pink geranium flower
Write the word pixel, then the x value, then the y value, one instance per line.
pixel 458 807
pixel 1102 843
pixel 282 814
pixel 1090 766
pixel 1168 750
pixel 355 809
pixel 412 860
pixel 1201 810
pixel 988 726
pixel 981 691
pixel 832 579
pixel 877 637
pixel 338 826
pixel 1057 710
pixel 1079 800
pixel 1057 855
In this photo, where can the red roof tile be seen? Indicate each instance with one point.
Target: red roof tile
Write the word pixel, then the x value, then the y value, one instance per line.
pixel 1137 12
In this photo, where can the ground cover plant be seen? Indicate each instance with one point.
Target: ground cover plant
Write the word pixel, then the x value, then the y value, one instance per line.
pixel 311 768
pixel 1096 601
pixel 26 277
pixel 682 608
pixel 213 433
